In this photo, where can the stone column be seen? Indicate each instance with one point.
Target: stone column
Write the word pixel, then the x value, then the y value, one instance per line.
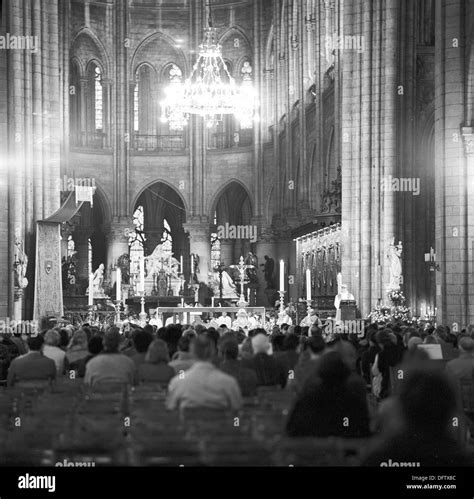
pixel 107 111
pixel 200 244
pixel 468 134
pixel 451 184
pixel 117 239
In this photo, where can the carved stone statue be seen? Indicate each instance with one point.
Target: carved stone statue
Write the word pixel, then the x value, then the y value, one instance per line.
pixel 98 282
pixel 395 257
pixel 160 260
pixel 229 289
pixel 268 268
pixel 21 264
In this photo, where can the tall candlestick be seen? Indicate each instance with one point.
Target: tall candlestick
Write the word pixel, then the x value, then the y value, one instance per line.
pixel 91 290
pixel 119 283
pixel 142 275
pixel 282 275
pixel 308 285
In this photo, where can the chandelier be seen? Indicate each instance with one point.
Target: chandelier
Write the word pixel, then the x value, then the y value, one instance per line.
pixel 210 91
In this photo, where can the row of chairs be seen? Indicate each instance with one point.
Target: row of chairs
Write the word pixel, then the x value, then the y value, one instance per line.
pixel 68 422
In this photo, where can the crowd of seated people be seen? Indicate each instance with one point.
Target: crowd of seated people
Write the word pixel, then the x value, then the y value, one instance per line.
pixel 333 378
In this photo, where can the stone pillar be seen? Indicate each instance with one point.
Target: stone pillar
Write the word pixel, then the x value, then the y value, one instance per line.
pixel 369 111
pixel 200 244
pixel 468 134
pixel 451 187
pixel 107 111
pixel 117 240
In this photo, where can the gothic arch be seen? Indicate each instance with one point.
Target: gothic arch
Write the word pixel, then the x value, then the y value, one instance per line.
pixel 142 189
pixel 75 61
pixel 235 29
pixel 222 190
pixel 179 60
pixel 101 54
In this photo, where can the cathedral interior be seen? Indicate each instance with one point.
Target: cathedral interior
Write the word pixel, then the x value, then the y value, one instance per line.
pixel 236 233
pixel 356 153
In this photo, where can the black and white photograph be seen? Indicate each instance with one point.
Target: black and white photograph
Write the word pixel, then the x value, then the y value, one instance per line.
pixel 237 235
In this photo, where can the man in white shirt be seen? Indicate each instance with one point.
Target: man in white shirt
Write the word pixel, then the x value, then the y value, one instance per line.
pixel 203 385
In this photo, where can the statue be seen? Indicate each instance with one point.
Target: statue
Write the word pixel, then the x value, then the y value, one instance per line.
pixel 252 261
pixel 229 289
pixel 98 282
pixel 161 260
pixel 123 263
pixel 268 268
pixel 21 263
pixel 394 255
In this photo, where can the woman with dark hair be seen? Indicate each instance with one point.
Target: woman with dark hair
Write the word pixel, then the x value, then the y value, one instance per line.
pixel 334 405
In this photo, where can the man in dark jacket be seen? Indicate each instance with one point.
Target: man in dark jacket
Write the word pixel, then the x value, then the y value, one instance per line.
pixel 246 378
pixel 33 365
pixel 269 371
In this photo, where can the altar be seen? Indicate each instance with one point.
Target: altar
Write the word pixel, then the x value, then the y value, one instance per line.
pixel 183 315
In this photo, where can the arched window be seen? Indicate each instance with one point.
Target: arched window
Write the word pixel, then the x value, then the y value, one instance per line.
pixel 98 96
pixel 215 247
pixel 137 240
pixel 94 136
pixel 75 104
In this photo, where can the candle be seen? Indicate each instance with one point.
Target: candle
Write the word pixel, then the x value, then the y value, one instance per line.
pixel 181 264
pixel 119 284
pixel 248 294
pixel 182 302
pixel 212 300
pixel 192 264
pixel 282 275
pixel 142 275
pixel 91 290
pixel 308 285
